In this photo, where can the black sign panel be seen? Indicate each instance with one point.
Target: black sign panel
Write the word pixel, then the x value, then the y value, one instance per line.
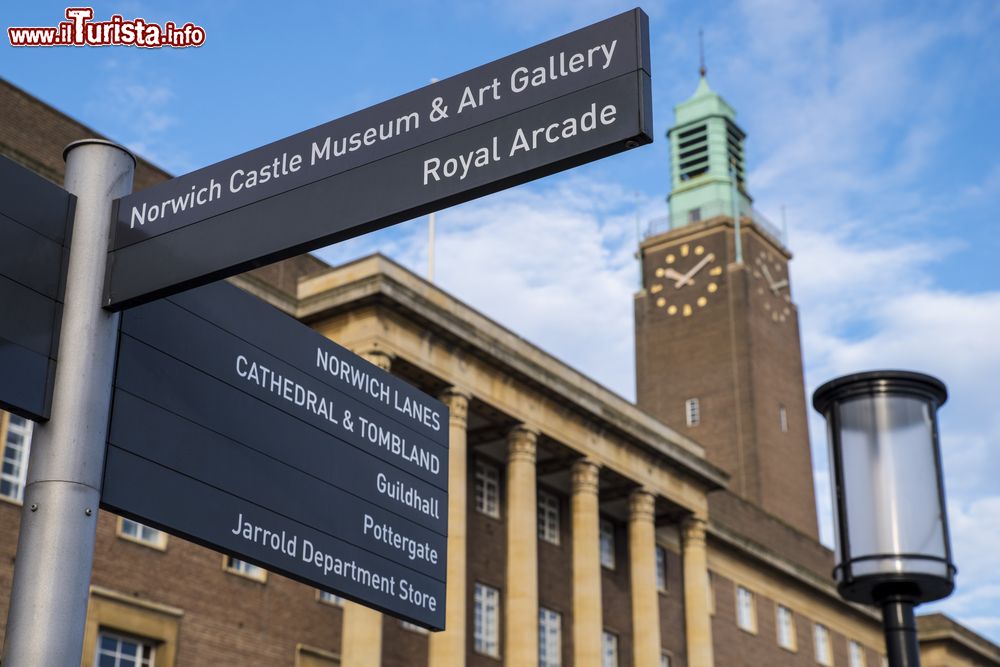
pixel 35 217
pixel 571 100
pixel 239 428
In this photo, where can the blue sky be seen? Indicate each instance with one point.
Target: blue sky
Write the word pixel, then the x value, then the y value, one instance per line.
pixel 872 125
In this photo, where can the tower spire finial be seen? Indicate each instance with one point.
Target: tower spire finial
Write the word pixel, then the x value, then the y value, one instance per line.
pixel 701 52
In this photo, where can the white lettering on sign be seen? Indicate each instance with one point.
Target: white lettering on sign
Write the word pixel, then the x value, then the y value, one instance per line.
pixel 396 444
pixel 523 78
pixel 331 147
pixel 477 157
pixel 369 383
pixel 257 534
pixel 407 495
pixel 566 129
pixel 322 150
pixel 282 166
pixel 195 197
pixel 437 169
pixel 414 549
pixel 285 388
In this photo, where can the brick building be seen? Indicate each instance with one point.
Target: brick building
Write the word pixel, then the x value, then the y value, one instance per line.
pixel 584 530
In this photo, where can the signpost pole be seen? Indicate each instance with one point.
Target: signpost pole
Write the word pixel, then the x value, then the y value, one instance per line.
pixel 55 551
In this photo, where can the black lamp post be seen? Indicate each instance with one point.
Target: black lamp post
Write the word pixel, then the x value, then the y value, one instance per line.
pixel 890 520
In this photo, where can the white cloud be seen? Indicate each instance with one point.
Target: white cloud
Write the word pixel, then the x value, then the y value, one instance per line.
pixel 845 119
pixel 555 264
pixel 140 110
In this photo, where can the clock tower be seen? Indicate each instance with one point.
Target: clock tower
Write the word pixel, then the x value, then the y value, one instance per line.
pixel 717 334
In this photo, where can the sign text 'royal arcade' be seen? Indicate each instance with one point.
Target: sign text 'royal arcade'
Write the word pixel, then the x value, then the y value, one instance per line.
pixel 565 102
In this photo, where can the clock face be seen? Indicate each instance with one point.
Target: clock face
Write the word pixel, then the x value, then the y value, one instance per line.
pixel 772 286
pixel 687 278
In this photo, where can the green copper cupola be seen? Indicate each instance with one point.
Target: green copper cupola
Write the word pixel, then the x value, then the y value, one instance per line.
pixel 706 154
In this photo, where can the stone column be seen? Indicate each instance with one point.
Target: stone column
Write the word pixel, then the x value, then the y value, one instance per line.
pixel 361 642
pixel 588 620
pixel 521 631
pixel 697 619
pixel 642 568
pixel 361 639
pixel 447 648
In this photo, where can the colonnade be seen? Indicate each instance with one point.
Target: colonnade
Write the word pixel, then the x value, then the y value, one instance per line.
pixel 362 644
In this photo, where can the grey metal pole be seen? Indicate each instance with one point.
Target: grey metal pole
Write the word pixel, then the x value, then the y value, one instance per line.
pixel 900 626
pixel 55 551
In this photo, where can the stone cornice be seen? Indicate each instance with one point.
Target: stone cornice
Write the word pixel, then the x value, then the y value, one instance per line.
pixel 376 279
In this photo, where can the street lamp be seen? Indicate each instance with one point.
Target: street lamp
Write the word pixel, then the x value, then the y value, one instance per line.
pixel 890 521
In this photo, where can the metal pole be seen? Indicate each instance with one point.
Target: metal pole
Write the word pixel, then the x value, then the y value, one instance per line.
pixel 55 551
pixel 900 626
pixel 430 246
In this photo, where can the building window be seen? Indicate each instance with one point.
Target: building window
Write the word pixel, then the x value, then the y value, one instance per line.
pixel 855 654
pixel 694 215
pixel 122 630
pixel 664 659
pixel 783 418
pixel 661 569
pixel 141 533
pixel 329 598
pixel 14 462
pixel 413 627
pixel 746 613
pixel 310 656
pixel 609 653
pixel 692 412
pixel 487 489
pixel 487 620
pixel 117 651
pixel 786 628
pixel 607 544
pixel 548 517
pixel 549 638
pixel 821 639
pixel 243 568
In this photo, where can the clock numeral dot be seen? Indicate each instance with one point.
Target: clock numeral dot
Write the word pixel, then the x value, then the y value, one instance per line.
pixel 712 287
pixel 699 250
pixel 661 302
pixel 659 273
pixel 702 301
pixel 684 250
pixel 672 310
pixel 716 271
pixel 671 259
pixel 687 310
pixel 655 289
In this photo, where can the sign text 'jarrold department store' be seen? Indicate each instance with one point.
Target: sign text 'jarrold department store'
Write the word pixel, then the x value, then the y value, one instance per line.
pixel 241 429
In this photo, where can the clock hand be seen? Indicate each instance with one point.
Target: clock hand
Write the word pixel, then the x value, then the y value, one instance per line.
pixel 767 274
pixel 778 285
pixel 681 279
pixel 697 267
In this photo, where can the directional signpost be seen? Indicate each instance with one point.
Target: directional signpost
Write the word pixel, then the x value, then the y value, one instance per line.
pixel 571 100
pixel 230 423
pixel 244 430
pixel 34 220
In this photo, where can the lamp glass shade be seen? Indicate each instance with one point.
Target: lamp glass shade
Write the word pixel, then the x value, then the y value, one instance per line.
pixel 893 507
